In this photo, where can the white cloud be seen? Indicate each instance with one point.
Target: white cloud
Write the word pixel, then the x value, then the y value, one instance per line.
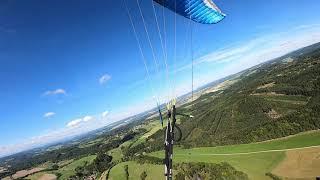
pixel 105 114
pixel 49 114
pixel 274 46
pixel 257 50
pixel 48 137
pixel 105 78
pixel 227 54
pixel 88 118
pixel 80 121
pixel 55 92
pixel 74 123
pixel 72 128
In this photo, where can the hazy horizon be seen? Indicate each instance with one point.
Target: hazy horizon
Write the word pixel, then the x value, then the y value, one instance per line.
pixel 68 73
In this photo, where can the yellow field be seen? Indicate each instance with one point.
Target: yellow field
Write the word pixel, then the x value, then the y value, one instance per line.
pixel 301 164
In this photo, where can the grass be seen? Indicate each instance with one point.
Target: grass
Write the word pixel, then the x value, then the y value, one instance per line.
pixel 285 104
pixel 152 127
pixel 135 170
pixel 116 154
pixel 36 176
pixel 128 143
pixel 69 169
pixel 288 98
pixel 90 143
pixel 255 165
pixel 296 141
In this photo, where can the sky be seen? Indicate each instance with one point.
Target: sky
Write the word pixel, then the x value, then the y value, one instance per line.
pixel 68 67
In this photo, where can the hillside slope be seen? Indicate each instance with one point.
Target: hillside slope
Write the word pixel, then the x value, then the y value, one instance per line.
pixel 272 100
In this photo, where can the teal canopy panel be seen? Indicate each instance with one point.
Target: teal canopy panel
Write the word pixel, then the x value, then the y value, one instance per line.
pixel 201 11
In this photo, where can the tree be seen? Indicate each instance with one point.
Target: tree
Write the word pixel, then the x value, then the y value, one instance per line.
pixel 126 170
pixel 102 162
pixel 143 175
pixel 55 167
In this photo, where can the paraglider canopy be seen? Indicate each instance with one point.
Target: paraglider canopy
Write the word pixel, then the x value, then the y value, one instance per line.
pixel 201 11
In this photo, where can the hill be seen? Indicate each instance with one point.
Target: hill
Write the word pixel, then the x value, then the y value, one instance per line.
pixel 275 99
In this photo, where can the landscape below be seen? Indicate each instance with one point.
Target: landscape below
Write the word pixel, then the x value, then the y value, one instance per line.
pixel 261 123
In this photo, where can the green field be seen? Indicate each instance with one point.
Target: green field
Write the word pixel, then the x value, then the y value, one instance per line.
pixel 69 170
pixel 255 164
pixel 90 143
pixel 135 170
pixel 296 141
pixel 152 127
pixel 128 143
pixel 116 154
pixel 36 176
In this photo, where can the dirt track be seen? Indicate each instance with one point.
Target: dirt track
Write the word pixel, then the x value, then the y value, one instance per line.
pixel 48 177
pixel 24 173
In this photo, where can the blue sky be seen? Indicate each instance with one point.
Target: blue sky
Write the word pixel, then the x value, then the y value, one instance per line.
pixel 67 67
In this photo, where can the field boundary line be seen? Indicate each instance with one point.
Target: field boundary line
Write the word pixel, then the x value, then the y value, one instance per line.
pixel 256 152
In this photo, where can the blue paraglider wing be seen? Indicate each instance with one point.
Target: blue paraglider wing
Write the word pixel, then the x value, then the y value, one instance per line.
pixel 201 11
